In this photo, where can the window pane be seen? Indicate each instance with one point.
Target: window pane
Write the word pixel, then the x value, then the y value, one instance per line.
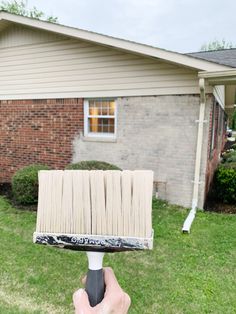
pixel 111 108
pixel 105 128
pixel 111 128
pixel 105 108
pixel 93 124
pixel 93 110
pixel 101 125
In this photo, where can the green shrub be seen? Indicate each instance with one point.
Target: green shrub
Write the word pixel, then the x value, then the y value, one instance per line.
pixel 229 157
pixel 230 165
pixel 225 183
pixel 92 165
pixel 233 146
pixel 225 156
pixel 25 184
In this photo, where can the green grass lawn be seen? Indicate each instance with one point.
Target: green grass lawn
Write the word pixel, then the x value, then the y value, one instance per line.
pixel 193 273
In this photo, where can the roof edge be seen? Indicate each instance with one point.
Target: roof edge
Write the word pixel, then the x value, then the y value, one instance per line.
pixel 130 46
pixel 207 51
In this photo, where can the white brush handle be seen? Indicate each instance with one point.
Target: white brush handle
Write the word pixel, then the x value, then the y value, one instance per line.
pixel 95 260
pixel 95 286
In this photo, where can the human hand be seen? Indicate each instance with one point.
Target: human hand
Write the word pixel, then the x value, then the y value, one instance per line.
pixel 115 301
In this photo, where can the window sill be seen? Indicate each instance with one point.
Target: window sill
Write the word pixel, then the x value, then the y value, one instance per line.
pixel 98 139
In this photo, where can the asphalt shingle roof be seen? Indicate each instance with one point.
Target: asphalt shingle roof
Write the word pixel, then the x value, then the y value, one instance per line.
pixel 225 56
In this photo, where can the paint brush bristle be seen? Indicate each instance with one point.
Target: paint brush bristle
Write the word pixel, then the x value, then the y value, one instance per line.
pixel 97 205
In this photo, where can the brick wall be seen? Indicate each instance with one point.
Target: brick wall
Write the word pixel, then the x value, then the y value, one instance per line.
pixel 37 131
pixel 216 142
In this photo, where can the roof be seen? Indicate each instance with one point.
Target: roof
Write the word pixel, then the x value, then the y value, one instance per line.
pixel 129 46
pixel 224 56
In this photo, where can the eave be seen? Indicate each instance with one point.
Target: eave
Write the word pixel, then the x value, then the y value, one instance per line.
pixel 227 77
pixel 128 46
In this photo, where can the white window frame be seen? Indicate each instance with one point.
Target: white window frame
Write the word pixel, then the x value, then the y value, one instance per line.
pixel 87 116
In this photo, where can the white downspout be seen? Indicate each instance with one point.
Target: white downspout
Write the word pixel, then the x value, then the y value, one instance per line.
pixel 189 220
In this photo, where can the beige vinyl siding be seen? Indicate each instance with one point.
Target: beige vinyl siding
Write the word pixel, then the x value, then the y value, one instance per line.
pixel 15 36
pixel 75 68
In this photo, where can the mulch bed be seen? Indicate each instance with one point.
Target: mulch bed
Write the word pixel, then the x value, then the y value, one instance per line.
pixel 228 145
pixel 214 206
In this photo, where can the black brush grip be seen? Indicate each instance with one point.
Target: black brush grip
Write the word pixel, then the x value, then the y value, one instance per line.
pixel 95 286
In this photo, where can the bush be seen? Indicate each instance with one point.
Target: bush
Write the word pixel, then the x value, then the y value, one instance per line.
pixel 92 165
pixel 229 157
pixel 233 146
pixel 25 184
pixel 225 156
pixel 225 183
pixel 230 165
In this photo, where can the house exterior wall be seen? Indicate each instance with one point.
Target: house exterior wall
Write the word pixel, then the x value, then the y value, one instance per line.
pixel 43 79
pixel 37 131
pixel 157 133
pixel 41 65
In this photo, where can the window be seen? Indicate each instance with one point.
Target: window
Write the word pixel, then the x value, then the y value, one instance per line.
pixel 100 117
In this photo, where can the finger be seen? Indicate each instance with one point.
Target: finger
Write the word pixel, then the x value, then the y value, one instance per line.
pixel 80 300
pixel 110 278
pixel 127 302
pixel 83 280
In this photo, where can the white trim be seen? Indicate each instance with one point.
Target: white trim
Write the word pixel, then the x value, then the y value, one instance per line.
pixel 213 126
pixel 219 77
pixel 101 135
pixel 86 105
pixel 217 74
pixel 107 93
pixel 219 93
pixel 99 139
pixel 173 57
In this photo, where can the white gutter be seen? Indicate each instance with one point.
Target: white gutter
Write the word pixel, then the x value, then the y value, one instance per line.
pixel 217 74
pixel 219 77
pixel 189 220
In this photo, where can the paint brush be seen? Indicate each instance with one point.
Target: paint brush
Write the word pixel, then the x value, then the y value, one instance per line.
pixel 95 211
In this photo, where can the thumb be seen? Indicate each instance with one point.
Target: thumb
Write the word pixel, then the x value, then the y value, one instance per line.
pixel 81 302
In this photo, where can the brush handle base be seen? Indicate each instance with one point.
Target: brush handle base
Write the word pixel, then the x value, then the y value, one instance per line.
pixel 95 286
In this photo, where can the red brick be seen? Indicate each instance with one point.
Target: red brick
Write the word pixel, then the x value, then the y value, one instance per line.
pixel 38 131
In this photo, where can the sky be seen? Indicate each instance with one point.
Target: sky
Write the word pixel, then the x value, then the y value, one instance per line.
pixel 177 25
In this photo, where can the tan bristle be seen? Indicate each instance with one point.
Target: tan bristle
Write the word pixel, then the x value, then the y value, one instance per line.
pixel 110 203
